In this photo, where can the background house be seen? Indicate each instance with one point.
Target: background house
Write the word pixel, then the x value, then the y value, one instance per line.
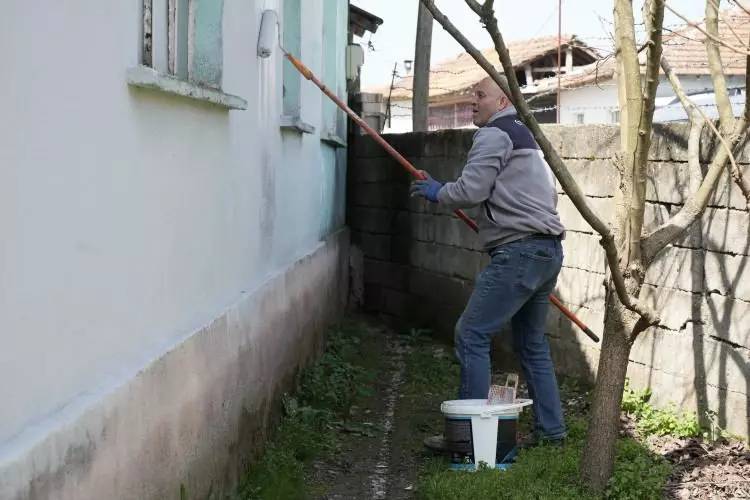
pixel 173 210
pixel 591 95
pixel 452 82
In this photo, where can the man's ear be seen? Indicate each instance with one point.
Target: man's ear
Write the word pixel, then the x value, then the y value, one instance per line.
pixel 504 102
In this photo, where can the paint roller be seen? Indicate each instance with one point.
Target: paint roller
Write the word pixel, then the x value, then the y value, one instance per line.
pixel 269 36
pixel 269 22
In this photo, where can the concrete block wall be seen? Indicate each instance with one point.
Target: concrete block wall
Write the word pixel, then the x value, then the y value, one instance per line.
pixel 420 262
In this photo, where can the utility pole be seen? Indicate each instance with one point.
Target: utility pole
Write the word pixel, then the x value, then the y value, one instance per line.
pixel 421 82
pixel 559 54
pixel 390 91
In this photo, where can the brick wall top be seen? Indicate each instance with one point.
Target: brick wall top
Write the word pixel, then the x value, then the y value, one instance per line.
pixel 571 141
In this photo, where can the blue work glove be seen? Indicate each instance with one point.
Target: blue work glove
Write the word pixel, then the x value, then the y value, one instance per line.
pixel 427 188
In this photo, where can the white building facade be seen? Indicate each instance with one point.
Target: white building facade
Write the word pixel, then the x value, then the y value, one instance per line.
pixel 173 246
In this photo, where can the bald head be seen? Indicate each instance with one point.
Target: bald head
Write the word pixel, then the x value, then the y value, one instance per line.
pixel 487 100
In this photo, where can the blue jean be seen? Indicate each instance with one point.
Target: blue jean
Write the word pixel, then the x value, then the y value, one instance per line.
pixel 514 287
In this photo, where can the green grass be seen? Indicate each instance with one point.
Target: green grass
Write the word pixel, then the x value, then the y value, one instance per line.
pixel 308 428
pixel 550 472
pixel 544 472
pixel 314 415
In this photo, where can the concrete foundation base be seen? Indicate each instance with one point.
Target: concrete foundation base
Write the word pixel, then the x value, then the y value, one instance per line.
pixel 194 418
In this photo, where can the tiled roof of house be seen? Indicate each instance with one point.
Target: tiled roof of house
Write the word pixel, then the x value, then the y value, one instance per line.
pixel 684 48
pixel 462 72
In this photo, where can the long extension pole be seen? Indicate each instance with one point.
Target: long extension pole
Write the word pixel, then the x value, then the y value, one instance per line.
pixel 413 171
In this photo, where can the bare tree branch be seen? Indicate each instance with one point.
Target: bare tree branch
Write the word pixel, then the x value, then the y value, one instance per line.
pixel 717 71
pixel 696 127
pixel 632 186
pixel 475 6
pixel 694 206
pixel 715 3
pixel 558 167
pixel 639 100
pixel 726 114
pixel 739 50
pixel 738 4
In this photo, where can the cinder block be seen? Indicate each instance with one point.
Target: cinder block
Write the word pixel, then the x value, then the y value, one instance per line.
pixel 692 354
pixel 398 303
pixel 553 132
pixel 728 274
pixel 447 260
pixel 593 318
pixel 728 193
pixel 380 195
pixel 444 169
pixel 439 287
pixel 409 145
pixel 679 268
pixel 730 319
pixel 669 142
pixel 402 223
pixel 375 246
pixel 596 177
pixel 448 143
pixel 450 230
pixel 727 231
pixel 731 374
pixel 364 146
pixel 667 182
pixel 401 248
pixel 674 307
pixel 371 220
pixel 744 154
pixel 386 274
pixel 581 288
pixel 589 141
pixel 572 219
pixel 381 169
pixel 651 347
pixel 583 251
pixel 654 215
pixel 418 204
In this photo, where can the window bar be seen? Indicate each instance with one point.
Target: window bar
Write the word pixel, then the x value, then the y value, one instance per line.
pixel 172 37
pixel 148 40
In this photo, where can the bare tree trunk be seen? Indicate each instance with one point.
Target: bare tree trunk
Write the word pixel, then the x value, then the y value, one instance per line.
pixel 597 462
pixel 421 85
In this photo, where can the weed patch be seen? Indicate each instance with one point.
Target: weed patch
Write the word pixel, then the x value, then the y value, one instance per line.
pixel 311 418
pixel 656 421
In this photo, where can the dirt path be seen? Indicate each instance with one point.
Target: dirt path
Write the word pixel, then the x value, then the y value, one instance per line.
pixel 363 468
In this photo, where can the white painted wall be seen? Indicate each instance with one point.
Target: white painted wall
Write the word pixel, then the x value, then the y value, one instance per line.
pixel 131 218
pixel 596 102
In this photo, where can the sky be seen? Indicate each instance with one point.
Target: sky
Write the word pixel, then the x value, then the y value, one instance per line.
pixel 591 20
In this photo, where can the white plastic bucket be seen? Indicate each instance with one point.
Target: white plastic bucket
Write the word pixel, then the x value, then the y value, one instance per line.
pixel 484 423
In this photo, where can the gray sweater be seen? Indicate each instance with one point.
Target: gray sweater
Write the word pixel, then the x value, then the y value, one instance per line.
pixel 507 174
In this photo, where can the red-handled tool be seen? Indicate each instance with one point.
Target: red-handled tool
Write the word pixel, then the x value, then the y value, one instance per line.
pixel 305 71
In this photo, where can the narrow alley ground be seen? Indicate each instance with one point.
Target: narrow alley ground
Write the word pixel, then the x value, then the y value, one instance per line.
pixel 378 452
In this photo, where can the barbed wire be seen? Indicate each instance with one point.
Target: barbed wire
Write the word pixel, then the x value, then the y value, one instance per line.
pixel 733 90
pixel 689 92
